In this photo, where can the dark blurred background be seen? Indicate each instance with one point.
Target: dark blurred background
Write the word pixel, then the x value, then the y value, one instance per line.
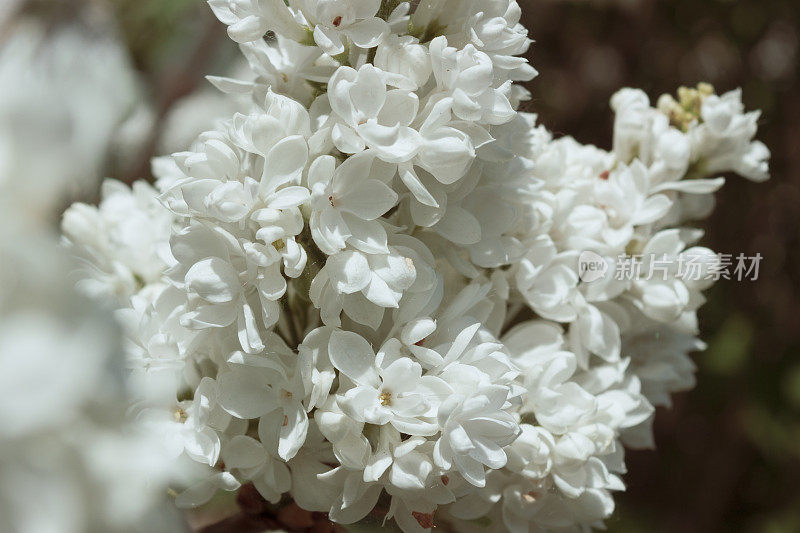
pixel 728 456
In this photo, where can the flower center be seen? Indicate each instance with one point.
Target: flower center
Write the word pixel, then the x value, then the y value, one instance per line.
pixel 385 397
pixel 337 21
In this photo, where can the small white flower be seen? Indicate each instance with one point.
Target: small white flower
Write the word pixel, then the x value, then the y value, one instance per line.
pixel 363 285
pixel 406 57
pixel 346 201
pixel 385 392
pixel 122 242
pixel 258 461
pixel 467 76
pixel 337 22
pixel 370 116
pixel 271 389
pixel 249 20
pixel 474 431
pixel 227 282
pixel 284 67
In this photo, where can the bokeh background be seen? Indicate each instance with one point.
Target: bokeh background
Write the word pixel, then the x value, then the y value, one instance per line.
pixel 728 456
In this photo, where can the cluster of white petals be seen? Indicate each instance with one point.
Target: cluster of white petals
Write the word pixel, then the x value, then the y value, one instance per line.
pixel 364 293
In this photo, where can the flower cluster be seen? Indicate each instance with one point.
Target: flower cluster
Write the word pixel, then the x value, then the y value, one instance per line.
pixel 365 292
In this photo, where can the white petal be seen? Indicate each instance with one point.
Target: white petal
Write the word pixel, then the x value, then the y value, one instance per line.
pixel 415 185
pixel 652 209
pixel 288 197
pixel 417 330
pixel 244 394
pixel 352 355
pixel 249 335
pixel 379 293
pixel 692 186
pixel 369 200
pixel 214 280
pixel 349 271
pixel 243 452
pixel 394 144
pixel 293 430
pixel 247 29
pixel 321 170
pixel 367 33
pixel 329 230
pixel 346 139
pixel 459 226
pixel 368 93
pixel 368 236
pixel 362 311
pixel 329 39
pixel 284 163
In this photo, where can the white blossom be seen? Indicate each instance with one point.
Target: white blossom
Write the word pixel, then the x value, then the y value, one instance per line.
pixel 364 291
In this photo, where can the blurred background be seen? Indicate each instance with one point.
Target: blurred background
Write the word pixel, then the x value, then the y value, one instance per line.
pixel 728 456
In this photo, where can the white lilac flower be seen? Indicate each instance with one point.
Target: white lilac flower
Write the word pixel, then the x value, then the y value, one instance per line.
pixel 724 140
pixel 337 23
pixel 258 461
pixel 364 291
pixel 404 55
pixel 284 67
pixel 474 431
pixel 346 201
pixel 271 389
pixel 368 115
pixel 365 284
pixel 249 20
pixel 122 242
pixel 385 391
pixel 466 75
pixel 496 30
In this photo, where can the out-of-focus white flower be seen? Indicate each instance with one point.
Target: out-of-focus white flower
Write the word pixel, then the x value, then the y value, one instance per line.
pixel 121 242
pixel 66 92
pixel 75 457
pixel 88 461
